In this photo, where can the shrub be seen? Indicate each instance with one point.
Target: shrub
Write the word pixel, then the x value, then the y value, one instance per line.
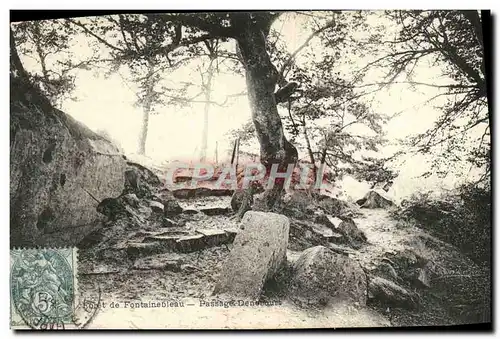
pixel 461 217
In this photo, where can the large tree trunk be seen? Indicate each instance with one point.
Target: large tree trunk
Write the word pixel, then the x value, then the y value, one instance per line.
pixel 261 77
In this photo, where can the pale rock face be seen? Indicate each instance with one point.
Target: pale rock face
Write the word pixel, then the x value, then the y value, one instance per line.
pixel 258 253
pixel 59 172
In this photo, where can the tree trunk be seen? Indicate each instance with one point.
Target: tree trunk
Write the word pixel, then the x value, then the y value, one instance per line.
pixel 261 77
pixel 146 110
pixel 16 66
pixel 144 129
pixel 207 88
pixel 309 148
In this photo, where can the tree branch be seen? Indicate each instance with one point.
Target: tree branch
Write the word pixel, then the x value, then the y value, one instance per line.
pixel 88 31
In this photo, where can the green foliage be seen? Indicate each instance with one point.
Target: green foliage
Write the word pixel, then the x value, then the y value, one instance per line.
pixel 461 217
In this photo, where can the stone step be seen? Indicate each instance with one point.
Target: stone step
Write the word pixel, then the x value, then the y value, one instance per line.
pixel 211 211
pixel 140 249
pixel 177 241
pixel 204 239
pixel 165 262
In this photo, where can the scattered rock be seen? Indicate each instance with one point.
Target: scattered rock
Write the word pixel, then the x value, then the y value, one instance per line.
pixel 131 199
pixel 374 200
pixel 171 208
pixel 99 270
pixel 238 197
pixel 389 293
pixel 232 232
pixel 355 237
pixel 341 249
pixel 132 181
pixel 424 274
pixel 299 204
pixel 322 276
pixel 305 234
pixel 110 207
pixel 405 262
pixel 156 206
pixel 187 268
pixel 337 207
pixel 171 223
pixel 258 253
pixel 387 271
pixel 350 234
pixel 190 211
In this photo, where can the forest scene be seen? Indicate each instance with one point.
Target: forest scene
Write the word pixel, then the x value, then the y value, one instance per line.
pixel 334 166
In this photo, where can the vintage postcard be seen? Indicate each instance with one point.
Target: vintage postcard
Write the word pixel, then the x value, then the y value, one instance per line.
pixel 250 170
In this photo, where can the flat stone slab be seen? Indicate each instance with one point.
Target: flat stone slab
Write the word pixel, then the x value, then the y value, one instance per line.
pixel 140 249
pixel 164 262
pixel 186 193
pixel 211 211
pixel 215 237
pixel 167 242
pixel 190 243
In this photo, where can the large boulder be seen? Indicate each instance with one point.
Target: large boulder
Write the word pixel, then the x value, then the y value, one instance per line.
pixel 59 172
pixel 258 253
pixel 140 180
pixel 322 277
pixel 374 199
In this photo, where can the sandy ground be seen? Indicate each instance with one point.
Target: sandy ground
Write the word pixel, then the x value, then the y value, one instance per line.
pixel 259 317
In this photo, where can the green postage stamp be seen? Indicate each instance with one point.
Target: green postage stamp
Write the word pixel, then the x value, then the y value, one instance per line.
pixel 43 287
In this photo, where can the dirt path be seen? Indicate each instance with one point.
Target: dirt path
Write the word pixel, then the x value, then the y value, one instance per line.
pixel 382 234
pixel 195 282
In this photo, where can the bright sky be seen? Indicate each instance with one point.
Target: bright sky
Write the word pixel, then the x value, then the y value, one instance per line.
pixel 175 133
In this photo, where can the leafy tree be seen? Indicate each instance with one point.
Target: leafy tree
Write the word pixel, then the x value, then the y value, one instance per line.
pixel 151 47
pixel 49 44
pixel 452 40
pixel 328 116
pixel 138 43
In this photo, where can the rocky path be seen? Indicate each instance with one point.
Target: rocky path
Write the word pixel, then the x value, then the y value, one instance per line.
pixel 182 275
pixel 383 236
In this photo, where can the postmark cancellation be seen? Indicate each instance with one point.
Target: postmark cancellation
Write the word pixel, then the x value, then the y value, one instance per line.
pixel 43 286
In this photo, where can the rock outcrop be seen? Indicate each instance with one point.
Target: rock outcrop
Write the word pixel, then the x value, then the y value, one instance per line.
pixel 60 171
pixel 259 251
